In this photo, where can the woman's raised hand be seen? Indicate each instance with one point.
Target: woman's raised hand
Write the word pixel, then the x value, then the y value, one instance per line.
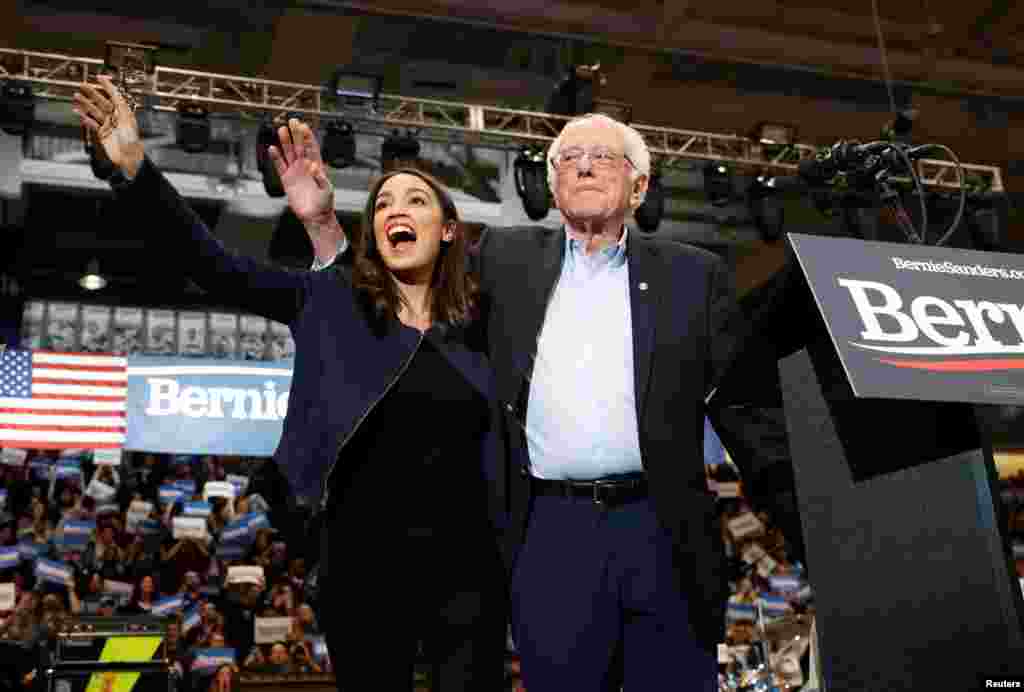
pixel 303 175
pixel 110 122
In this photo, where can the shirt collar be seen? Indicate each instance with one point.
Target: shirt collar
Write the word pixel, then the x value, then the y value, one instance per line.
pixel 612 256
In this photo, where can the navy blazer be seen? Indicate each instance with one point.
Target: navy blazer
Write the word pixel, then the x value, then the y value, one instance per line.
pixel 343 362
pixel 681 299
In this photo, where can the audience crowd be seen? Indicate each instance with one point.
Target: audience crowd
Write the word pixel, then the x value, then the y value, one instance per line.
pixel 162 535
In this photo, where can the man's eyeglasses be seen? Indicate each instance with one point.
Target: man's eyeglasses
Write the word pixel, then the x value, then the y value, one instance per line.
pixel 600 157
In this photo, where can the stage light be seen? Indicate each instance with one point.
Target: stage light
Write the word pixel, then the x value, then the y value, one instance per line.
pixel 17 107
pixel 193 127
pixel 774 137
pixel 766 207
pixel 718 183
pixel 271 180
pixel 576 92
pixel 775 133
pixel 355 88
pixel 531 178
pixel 399 151
pixel 648 215
pixel 92 280
pixel 339 150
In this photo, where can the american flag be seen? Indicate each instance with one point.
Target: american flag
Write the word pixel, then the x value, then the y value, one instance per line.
pixel 62 400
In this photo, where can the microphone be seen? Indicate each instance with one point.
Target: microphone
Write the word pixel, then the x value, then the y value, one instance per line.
pixel 847 156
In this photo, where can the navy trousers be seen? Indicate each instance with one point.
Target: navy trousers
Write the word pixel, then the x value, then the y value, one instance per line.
pixel 596 603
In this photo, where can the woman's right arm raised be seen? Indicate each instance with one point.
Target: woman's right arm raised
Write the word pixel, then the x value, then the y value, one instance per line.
pixel 177 232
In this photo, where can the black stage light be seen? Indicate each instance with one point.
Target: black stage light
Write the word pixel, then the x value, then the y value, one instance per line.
pixel 648 215
pixel 193 127
pixel 17 107
pixel 718 183
pixel 355 88
pixel 271 180
pixel 339 150
pixel 531 177
pixel 399 151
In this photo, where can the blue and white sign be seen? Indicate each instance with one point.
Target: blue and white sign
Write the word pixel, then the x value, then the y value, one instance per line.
pixel 190 406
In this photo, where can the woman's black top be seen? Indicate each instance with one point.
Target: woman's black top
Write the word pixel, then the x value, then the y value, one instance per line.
pixel 413 467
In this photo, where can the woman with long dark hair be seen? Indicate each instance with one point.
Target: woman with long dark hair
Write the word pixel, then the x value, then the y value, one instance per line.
pixel 391 432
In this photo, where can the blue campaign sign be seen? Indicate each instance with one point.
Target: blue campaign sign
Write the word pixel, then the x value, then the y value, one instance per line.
pixel 197 406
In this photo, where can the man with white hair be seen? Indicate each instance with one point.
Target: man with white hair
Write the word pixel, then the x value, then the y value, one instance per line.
pixel 604 345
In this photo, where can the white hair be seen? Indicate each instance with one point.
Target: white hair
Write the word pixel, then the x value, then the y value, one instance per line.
pixel 636 149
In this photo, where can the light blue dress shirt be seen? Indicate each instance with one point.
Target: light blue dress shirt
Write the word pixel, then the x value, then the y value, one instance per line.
pixel 581 421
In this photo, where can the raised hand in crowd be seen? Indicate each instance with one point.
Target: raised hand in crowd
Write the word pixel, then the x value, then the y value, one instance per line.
pixel 106 115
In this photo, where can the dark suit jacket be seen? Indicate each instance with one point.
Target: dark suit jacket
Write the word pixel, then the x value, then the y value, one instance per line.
pixel 679 297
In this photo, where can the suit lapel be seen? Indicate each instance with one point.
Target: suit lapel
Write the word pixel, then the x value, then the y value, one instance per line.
pixel 644 289
pixel 541 281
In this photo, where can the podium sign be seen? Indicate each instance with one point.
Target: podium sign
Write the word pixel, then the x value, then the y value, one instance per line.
pixel 920 322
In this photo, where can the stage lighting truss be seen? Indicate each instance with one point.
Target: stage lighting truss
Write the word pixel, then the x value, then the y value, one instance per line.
pixel 56 76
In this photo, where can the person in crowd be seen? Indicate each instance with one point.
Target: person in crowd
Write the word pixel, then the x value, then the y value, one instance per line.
pixel 280 659
pixel 221 514
pixel 256 661
pixel 223 679
pixel 302 659
pixel 141 559
pixel 605 345
pixel 297 574
pixel 282 599
pixel 183 560
pixel 144 595
pixel 261 549
pixel 103 555
pixel 305 622
pixel 240 607
pixel 107 606
pixel 191 589
pixel 391 340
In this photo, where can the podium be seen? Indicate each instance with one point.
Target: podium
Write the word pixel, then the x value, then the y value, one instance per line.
pixel 895 481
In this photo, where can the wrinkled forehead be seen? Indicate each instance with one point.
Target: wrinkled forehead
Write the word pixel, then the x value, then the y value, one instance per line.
pixel 592 132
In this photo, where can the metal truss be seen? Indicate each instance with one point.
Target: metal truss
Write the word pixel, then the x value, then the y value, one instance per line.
pixel 55 76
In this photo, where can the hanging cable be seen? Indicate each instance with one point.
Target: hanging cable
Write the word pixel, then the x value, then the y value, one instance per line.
pixel 885 55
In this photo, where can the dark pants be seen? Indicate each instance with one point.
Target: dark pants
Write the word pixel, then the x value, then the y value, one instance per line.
pixel 596 603
pixel 381 597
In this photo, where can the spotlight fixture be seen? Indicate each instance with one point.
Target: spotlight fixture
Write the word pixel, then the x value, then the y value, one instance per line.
pixel 339 149
pixel 92 280
pixel 355 88
pixel 399 151
pixel 531 178
pixel 718 183
pixel 193 127
pixel 271 180
pixel 648 215
pixel 17 107
pixel 766 207
pixel 774 138
pixel 575 93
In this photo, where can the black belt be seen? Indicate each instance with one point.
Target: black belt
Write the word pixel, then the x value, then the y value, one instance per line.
pixel 603 491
